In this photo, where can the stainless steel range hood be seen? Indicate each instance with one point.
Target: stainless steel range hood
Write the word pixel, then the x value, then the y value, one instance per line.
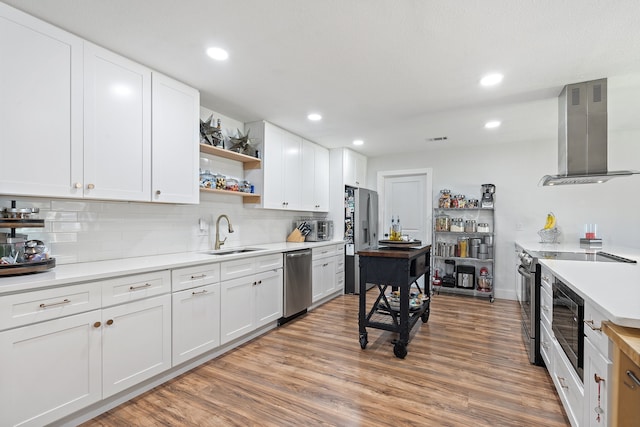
pixel 582 136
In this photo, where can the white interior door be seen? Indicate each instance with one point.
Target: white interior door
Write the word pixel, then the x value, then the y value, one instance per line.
pixel 404 197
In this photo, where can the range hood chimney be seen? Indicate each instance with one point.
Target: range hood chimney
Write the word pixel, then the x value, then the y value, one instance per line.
pixel 582 136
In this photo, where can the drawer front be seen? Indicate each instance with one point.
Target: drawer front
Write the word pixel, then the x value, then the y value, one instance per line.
pixel 268 262
pixel 340 249
pixel 339 263
pixel 340 280
pixel 546 346
pixel 546 279
pixel 135 287
pixel 593 329
pixel 237 268
pixel 323 251
pixel 190 277
pixel 37 306
pixel 546 307
pixel 569 386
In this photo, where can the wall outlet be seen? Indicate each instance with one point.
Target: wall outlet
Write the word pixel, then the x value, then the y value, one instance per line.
pixel 203 226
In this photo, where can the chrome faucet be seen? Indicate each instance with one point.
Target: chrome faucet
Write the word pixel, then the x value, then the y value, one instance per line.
pixel 218 242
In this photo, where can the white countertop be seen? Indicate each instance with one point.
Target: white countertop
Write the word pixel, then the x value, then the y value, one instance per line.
pixel 67 274
pixel 612 287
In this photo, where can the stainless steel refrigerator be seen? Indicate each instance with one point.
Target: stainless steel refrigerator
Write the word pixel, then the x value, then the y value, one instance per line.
pixel 361 232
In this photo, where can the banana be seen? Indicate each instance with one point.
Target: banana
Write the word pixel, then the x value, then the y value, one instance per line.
pixel 551 221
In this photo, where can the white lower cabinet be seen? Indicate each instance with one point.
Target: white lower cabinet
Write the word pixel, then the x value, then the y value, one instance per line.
pixel 326 264
pixel 597 386
pixel 136 342
pixel 568 385
pixel 250 302
pixel 196 322
pixel 50 369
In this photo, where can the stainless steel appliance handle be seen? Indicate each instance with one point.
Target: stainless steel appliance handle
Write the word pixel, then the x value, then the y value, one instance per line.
pixel 297 254
pixel 368 233
pixel 524 272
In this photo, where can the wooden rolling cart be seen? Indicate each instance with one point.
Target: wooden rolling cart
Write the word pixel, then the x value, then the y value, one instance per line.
pixel 398 269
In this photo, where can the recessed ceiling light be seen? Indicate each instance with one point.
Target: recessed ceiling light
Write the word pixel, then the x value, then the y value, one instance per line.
pixel 491 79
pixel 314 117
pixel 218 53
pixel 358 142
pixel 492 124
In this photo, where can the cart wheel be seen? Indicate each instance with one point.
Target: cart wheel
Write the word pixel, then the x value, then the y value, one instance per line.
pixel 400 350
pixel 425 315
pixel 363 341
pixel 491 299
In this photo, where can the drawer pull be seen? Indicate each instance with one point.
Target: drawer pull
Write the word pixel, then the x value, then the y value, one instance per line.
pixel 563 382
pixel 198 276
pixel 135 288
pixel 110 322
pixel 204 291
pixel 591 324
pixel 97 325
pixel 633 377
pixel 64 301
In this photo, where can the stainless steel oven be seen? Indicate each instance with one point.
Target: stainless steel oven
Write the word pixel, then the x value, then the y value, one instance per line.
pixel 528 293
pixel 567 324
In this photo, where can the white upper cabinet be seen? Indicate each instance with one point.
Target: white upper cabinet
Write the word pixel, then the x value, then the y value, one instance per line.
pixel 117 127
pixel 175 141
pixel 279 179
pixel 40 107
pixel 315 177
pixel 354 168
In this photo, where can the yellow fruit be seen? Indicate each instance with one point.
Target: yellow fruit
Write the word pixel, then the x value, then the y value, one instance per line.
pixel 551 221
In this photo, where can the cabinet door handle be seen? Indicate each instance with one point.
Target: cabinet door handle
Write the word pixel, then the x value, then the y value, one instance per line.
pixel 545 345
pixel 158 192
pixel 77 185
pixel 91 186
pixel 110 322
pixel 64 301
pixel 545 308
pixel 597 378
pixel 97 325
pixel 563 383
pixel 204 291
pixel 633 377
pixel 255 283
pixel 591 324
pixel 135 288
pixel 198 276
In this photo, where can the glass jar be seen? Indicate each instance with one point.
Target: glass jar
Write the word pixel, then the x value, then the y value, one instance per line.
pixel 470 226
pixel 232 184
pixel 457 225
pixel 472 203
pixel 445 199
pixel 207 179
pixel 483 227
pixel 462 247
pixel 221 182
pixel 443 223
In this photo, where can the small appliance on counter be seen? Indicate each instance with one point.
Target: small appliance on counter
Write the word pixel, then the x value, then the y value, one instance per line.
pixel 488 190
pixel 449 280
pixel 18 255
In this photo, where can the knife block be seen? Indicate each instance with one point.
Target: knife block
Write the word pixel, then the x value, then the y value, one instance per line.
pixel 295 236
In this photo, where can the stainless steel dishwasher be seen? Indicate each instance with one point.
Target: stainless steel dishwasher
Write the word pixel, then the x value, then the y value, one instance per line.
pixel 297 284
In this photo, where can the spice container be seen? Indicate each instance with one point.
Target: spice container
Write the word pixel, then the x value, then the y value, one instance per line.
pixel 445 199
pixel 457 225
pixel 443 223
pixel 483 227
pixel 472 203
pixel 470 226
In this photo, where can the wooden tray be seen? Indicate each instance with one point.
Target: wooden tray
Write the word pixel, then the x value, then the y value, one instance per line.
pixel 27 267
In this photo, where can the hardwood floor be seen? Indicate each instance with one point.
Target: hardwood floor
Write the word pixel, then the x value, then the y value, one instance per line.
pixel 466 367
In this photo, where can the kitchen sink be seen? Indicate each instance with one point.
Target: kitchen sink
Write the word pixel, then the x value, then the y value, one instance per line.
pixel 233 251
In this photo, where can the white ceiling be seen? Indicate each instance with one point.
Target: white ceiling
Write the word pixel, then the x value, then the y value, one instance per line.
pixel 390 72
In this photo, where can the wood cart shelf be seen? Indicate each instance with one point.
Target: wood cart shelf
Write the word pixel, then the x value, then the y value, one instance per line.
pixel 399 269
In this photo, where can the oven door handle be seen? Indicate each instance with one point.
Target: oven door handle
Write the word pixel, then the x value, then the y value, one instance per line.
pixel 524 272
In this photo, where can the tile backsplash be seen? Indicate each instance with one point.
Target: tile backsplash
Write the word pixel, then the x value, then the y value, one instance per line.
pixel 83 230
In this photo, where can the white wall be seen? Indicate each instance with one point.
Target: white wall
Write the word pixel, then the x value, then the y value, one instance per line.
pixel 521 205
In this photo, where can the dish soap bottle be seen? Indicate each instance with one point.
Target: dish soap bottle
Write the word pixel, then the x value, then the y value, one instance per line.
pixel 392 235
